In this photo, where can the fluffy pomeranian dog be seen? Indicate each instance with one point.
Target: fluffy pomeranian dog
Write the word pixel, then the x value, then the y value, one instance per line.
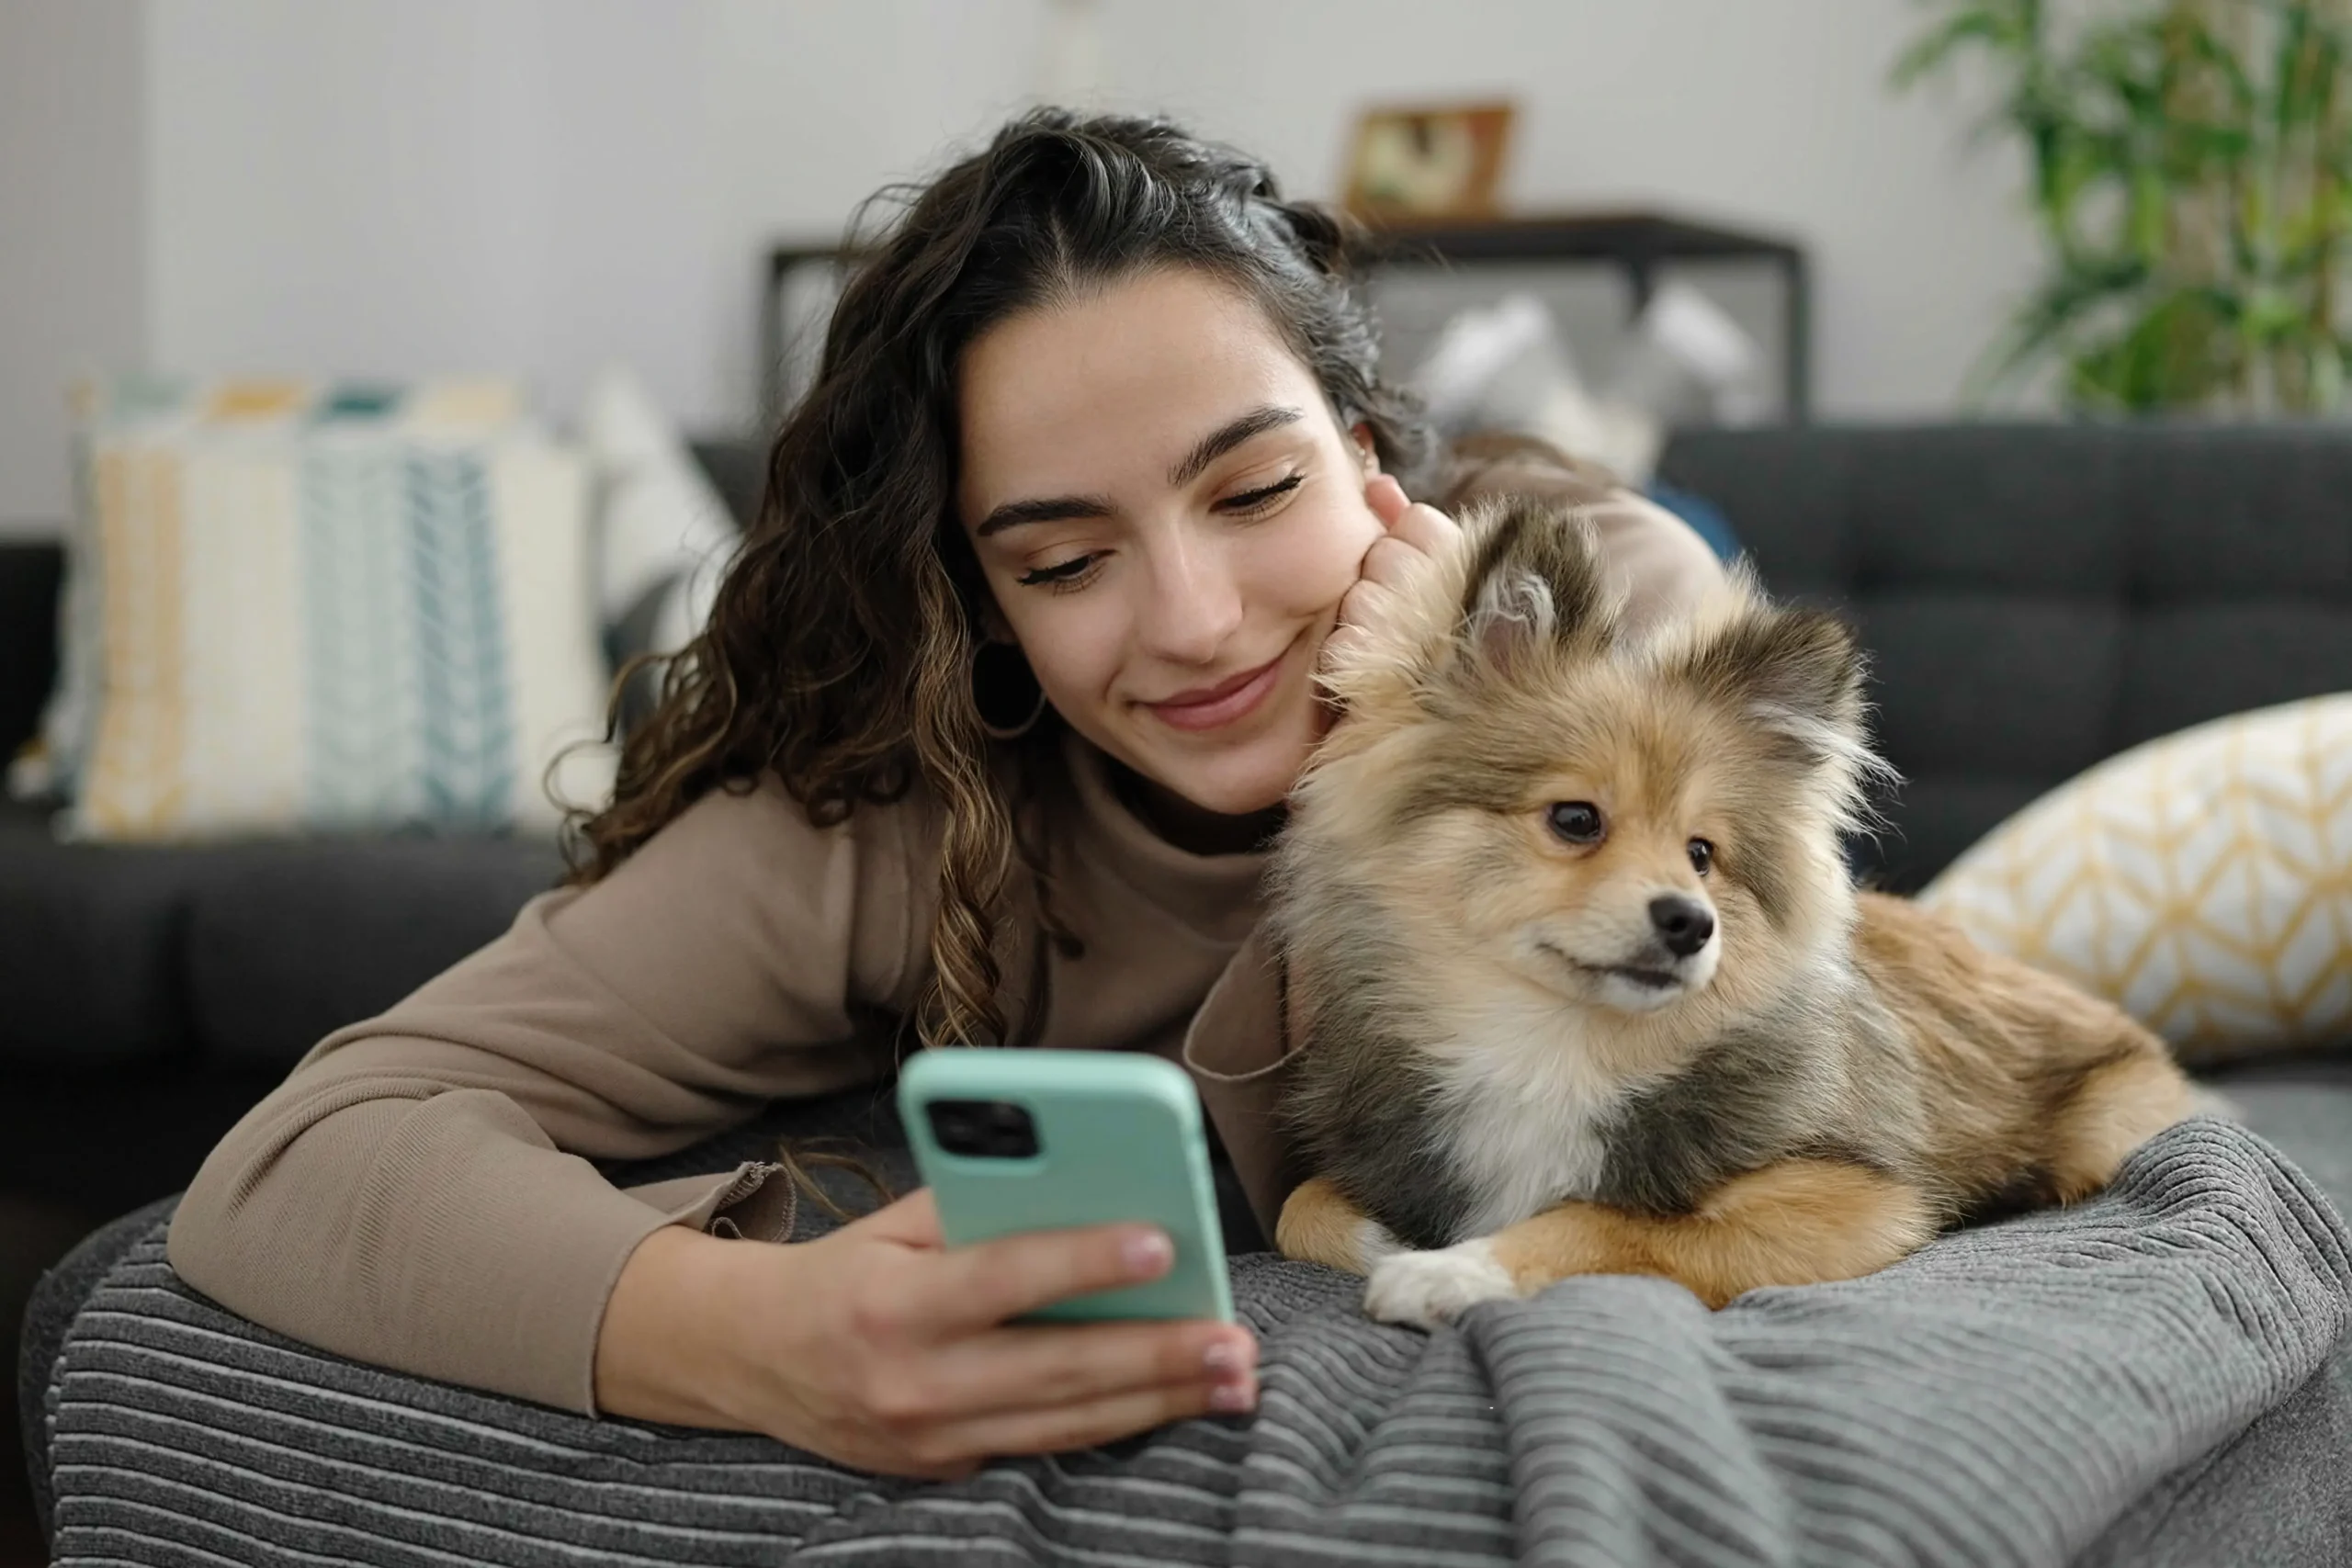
pixel 1585 983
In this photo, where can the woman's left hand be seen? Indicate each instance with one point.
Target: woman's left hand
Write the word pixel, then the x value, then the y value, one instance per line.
pixel 1416 533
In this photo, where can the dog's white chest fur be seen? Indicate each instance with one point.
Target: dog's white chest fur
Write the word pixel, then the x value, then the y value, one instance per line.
pixel 1525 1107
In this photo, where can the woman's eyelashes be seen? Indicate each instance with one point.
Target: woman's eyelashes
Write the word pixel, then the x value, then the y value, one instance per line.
pixel 1249 506
pixel 1061 574
pixel 1249 502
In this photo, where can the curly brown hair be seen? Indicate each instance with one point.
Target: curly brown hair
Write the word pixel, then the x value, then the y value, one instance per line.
pixel 838 652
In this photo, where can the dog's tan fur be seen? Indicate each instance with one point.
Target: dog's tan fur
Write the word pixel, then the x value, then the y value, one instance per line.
pixel 1504 1086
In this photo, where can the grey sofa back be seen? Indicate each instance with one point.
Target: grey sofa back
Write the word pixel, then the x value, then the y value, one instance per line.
pixel 2038 597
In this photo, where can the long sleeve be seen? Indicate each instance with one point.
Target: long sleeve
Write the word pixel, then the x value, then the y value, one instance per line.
pixel 418 1193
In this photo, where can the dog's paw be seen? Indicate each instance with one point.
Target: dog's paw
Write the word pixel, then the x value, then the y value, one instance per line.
pixel 1426 1289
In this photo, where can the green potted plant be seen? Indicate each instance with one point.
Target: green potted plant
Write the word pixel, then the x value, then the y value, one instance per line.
pixel 2191 175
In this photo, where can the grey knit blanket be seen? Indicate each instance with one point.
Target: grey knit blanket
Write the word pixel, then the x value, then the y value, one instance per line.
pixel 2001 1398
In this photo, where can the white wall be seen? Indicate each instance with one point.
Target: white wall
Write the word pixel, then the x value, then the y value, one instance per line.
pixel 412 187
pixel 818 104
pixel 73 229
pixel 407 186
pixel 425 186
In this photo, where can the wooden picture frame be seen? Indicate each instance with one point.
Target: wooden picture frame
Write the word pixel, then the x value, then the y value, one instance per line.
pixel 1428 163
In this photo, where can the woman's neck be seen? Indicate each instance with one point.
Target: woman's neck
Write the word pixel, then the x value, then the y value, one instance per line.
pixel 1189 827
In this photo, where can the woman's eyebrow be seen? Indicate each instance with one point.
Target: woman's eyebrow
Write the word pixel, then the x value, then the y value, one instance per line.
pixel 1216 445
pixel 1226 437
pixel 1053 509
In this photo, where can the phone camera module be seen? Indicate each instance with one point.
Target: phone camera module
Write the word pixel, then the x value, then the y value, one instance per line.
pixel 983 1129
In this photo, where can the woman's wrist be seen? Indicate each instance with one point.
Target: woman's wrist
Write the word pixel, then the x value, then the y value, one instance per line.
pixel 662 1350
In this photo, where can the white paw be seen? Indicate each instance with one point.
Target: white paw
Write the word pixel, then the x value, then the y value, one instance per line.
pixel 1426 1289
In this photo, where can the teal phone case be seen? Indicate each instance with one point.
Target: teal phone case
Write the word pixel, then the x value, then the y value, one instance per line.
pixel 1118 1139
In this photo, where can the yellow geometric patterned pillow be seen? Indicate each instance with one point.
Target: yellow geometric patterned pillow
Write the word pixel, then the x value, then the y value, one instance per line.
pixel 2202 882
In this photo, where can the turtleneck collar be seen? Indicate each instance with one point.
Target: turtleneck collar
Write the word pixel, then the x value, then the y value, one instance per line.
pixel 1215 895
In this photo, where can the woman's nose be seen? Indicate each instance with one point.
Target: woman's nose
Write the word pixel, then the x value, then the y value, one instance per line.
pixel 1191 603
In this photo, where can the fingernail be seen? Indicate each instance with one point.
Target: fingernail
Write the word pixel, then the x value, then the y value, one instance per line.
pixel 1225 1356
pixel 1148 1254
pixel 1232 1397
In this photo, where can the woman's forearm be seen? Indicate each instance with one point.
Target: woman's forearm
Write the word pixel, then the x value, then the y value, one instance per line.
pixel 660 1347
pixel 424 1228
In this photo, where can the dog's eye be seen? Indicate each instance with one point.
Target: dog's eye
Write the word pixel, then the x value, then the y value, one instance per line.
pixel 1702 855
pixel 1578 821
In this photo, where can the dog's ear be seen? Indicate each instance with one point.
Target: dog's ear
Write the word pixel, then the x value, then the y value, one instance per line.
pixel 1798 674
pixel 1534 583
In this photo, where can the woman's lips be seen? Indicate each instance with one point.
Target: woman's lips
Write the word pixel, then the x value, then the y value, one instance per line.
pixel 1222 703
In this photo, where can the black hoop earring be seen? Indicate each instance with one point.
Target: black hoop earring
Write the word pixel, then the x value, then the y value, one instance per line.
pixel 997 690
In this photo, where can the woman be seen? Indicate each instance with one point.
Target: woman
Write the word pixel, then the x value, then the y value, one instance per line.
pixel 997 704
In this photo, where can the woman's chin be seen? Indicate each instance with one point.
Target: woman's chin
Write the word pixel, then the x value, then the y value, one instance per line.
pixel 1246 776
pixel 1251 780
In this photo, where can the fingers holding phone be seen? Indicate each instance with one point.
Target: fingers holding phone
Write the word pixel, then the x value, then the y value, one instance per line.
pixel 1044 1385
pixel 1058 1282
pixel 882 1349
pixel 1074 1187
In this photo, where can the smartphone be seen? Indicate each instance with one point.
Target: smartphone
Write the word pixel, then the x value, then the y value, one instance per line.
pixel 1012 1139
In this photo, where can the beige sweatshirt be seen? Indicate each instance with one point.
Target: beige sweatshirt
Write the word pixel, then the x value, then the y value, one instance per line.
pixel 417 1193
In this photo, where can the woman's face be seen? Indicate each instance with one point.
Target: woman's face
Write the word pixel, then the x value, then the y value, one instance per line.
pixel 1167 516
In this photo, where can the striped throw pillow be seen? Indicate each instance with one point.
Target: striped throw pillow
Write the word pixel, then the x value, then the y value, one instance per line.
pixel 299 609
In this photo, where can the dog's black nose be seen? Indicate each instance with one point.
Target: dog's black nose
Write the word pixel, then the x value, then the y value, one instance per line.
pixel 1683 924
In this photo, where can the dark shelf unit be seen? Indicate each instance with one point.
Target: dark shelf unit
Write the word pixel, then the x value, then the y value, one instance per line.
pixel 1638 243
pixel 783 262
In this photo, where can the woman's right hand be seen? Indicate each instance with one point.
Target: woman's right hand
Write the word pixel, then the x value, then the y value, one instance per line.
pixel 883 1348
pixel 1413 535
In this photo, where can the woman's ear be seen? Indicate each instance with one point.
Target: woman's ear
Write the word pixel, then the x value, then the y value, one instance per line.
pixel 1367 450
